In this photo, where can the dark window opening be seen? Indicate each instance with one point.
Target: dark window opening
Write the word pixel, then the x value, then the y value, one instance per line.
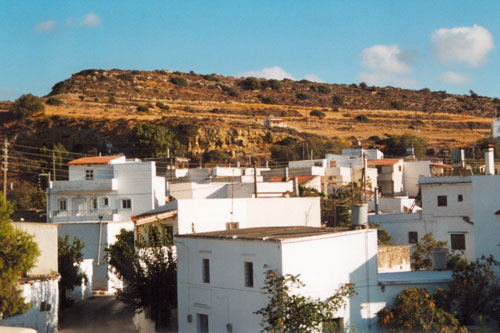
pixel 458 242
pixel 413 237
pixel 460 198
pixel 248 274
pixel 206 270
pixel 442 200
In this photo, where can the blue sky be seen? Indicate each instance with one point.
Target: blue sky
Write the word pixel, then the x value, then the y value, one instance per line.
pixel 441 45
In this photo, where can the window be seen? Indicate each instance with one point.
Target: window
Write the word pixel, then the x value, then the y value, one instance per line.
pixel 62 204
pixel 413 237
pixel 202 323
pixel 248 267
pixel 105 202
pixel 126 203
pixel 458 241
pixel 93 203
pixel 232 225
pixel 460 198
pixel 89 174
pixel 400 168
pixel 442 201
pixel 206 270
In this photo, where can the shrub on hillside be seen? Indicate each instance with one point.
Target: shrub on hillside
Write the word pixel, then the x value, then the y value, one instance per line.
pixel 179 81
pixel 362 119
pixel 338 100
pixel 230 90
pixel 317 113
pixel 273 84
pixel 249 83
pixel 269 100
pixel 26 105
pixel 302 96
pixel 324 90
pixel 53 101
pixel 398 105
pixel 162 106
pixel 142 108
pixel 125 77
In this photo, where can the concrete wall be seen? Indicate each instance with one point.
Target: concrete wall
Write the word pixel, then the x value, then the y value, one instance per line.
pixel 226 190
pixel 212 215
pixel 89 234
pixel 45 235
pixel 393 258
pixel 43 295
pixel 394 205
pixel 411 171
pixel 308 163
pixel 451 187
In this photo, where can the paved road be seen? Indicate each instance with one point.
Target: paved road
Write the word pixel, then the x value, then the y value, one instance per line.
pixel 96 315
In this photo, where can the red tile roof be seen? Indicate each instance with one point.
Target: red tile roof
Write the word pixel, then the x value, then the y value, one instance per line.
pixel 385 161
pixel 94 160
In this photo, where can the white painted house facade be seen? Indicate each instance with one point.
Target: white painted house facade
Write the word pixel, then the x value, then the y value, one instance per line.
pixel 221 275
pixel 98 200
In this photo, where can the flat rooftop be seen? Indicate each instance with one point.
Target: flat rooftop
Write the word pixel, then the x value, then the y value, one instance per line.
pixel 415 277
pixel 266 233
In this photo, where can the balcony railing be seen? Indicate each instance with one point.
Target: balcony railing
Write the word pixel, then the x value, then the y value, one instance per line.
pixel 85 212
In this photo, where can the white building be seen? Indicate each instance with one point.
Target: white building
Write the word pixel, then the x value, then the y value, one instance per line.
pixel 371 154
pixel 40 285
pixel 98 200
pixel 220 275
pixel 199 215
pixel 446 213
pixel 390 175
pixel 495 128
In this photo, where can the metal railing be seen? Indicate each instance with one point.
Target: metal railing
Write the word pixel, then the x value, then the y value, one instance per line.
pixel 84 212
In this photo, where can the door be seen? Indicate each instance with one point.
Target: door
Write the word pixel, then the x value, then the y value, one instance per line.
pixel 202 323
pixel 79 206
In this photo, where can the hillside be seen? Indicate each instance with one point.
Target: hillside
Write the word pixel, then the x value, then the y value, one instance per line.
pixel 101 106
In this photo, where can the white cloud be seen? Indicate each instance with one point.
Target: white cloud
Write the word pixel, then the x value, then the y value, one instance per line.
pixel 91 20
pixel 7 94
pixel 313 78
pixel 454 78
pixel 275 72
pixel 45 26
pixel 387 65
pixel 464 44
pixel 386 58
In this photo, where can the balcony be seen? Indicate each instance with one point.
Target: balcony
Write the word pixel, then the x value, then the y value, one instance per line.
pixel 83 215
pixel 84 186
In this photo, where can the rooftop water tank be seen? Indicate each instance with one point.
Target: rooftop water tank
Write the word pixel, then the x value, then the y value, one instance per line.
pixel 359 214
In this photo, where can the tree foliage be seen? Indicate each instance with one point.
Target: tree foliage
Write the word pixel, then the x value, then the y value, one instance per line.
pixel 475 290
pixel 290 149
pixel 154 141
pixel 396 145
pixel 383 237
pixel 287 312
pixel 422 256
pixel 26 196
pixel 26 105
pixel 18 254
pixel 317 113
pixel 69 257
pixel 149 272
pixel 416 310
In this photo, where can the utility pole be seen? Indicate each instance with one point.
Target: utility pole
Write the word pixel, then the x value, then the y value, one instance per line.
pixel 364 175
pixel 54 164
pixel 5 167
pixel 255 178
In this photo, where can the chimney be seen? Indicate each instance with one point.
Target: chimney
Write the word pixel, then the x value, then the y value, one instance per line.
pixel 489 161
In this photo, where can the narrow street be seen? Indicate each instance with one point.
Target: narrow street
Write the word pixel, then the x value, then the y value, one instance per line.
pixel 98 314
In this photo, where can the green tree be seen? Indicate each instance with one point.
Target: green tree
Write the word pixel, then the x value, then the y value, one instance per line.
pixel 249 83
pixel 396 145
pixel 475 290
pixel 26 105
pixel 149 272
pixel 26 196
pixel 287 312
pixel 215 156
pixel 154 141
pixel 416 310
pixel 69 256
pixel 317 113
pixel 422 256
pixel 383 237
pixel 18 254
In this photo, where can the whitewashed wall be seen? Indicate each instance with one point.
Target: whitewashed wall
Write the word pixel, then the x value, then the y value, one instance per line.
pixel 84 290
pixel 411 171
pixel 36 292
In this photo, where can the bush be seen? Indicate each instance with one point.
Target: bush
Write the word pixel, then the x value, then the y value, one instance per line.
pixel 269 100
pixel 249 83
pixel 210 77
pixel 415 310
pixel 422 256
pixel 26 105
pixel 125 77
pixel 302 96
pixel 162 106
pixel 398 105
pixel 179 81
pixel 324 90
pixel 215 156
pixel 231 90
pixel 273 84
pixel 112 100
pixel 396 145
pixel 317 113
pixel 142 108
pixel 363 85
pixel 338 100
pixel 362 119
pixel 54 101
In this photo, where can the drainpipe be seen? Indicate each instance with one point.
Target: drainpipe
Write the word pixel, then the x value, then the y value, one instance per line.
pixel 100 239
pixel 376 200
